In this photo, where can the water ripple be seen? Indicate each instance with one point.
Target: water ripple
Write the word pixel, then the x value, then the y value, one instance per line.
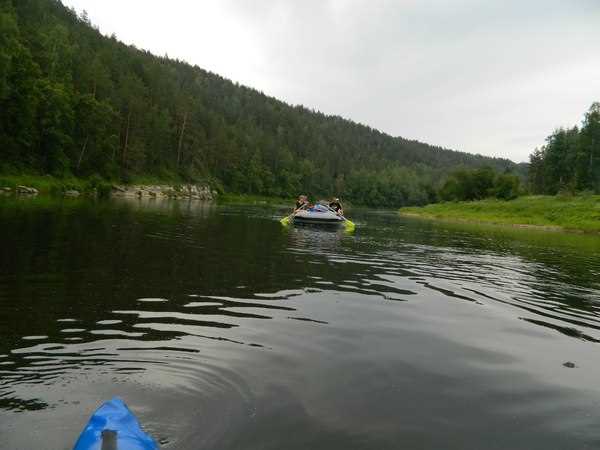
pixel 225 316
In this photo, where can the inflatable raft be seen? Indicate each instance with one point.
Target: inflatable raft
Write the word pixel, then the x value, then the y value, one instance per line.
pixel 114 427
pixel 317 215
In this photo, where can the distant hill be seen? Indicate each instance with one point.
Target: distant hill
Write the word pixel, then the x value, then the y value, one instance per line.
pixel 75 102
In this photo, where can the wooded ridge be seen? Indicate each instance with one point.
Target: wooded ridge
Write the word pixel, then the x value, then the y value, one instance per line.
pixel 74 102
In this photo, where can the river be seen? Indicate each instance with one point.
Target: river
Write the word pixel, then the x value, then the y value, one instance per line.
pixel 224 330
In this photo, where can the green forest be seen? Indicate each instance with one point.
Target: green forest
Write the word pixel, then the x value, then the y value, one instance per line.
pixel 75 103
pixel 570 160
pixel 569 163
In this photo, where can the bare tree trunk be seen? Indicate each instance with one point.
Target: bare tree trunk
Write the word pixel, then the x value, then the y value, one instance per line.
pixel 126 145
pixel 179 147
pixel 592 177
pixel 53 64
pixel 82 152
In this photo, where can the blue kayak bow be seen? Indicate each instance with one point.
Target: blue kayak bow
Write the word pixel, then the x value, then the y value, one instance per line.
pixel 114 427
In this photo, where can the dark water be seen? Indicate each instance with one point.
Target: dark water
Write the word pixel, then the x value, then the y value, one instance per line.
pixel 223 330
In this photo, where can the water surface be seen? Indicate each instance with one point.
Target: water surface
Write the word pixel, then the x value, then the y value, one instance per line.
pixel 224 330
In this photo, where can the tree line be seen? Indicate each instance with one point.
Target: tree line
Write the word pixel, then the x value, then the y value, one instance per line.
pixel 569 162
pixel 570 159
pixel 75 102
pixel 477 184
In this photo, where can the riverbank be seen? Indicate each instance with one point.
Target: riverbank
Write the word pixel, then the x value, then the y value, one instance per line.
pixel 97 187
pixel 569 213
pixel 51 185
pixel 138 187
pixel 247 199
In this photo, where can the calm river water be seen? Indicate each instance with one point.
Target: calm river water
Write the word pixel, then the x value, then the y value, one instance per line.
pixel 223 330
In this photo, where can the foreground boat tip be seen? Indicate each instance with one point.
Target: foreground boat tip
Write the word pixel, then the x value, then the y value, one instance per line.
pixel 114 427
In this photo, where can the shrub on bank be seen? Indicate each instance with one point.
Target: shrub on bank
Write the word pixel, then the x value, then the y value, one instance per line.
pixel 47 184
pixel 468 185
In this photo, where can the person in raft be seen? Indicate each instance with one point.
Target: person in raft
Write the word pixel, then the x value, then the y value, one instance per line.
pixel 336 206
pixel 301 203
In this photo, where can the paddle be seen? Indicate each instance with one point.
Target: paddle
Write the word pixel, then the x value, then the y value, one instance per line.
pixel 286 220
pixel 350 226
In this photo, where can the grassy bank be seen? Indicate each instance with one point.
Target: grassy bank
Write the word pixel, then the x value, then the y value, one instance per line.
pixel 246 199
pixel 574 213
pixel 47 184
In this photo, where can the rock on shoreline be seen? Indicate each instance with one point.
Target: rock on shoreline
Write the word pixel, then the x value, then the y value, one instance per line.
pixel 186 191
pixel 191 191
pixel 25 190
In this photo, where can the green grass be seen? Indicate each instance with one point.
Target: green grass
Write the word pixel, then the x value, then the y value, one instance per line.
pixel 47 184
pixel 247 199
pixel 576 213
pixel 149 180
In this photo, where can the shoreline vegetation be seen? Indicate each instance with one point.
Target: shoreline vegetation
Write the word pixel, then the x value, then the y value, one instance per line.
pixel 76 103
pixel 33 185
pixel 580 213
pixel 248 199
pixel 47 185
pixel 91 115
pixel 138 187
pixel 142 187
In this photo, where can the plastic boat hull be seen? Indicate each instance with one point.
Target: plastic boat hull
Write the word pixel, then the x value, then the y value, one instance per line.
pixel 114 427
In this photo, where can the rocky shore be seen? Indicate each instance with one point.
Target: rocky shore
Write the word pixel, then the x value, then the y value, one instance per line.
pixel 186 191
pixel 19 190
pixel 190 191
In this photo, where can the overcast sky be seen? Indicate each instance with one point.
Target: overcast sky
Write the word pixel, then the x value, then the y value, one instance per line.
pixel 483 76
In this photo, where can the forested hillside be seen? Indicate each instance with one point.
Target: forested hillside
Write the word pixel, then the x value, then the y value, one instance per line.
pixel 570 160
pixel 73 102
